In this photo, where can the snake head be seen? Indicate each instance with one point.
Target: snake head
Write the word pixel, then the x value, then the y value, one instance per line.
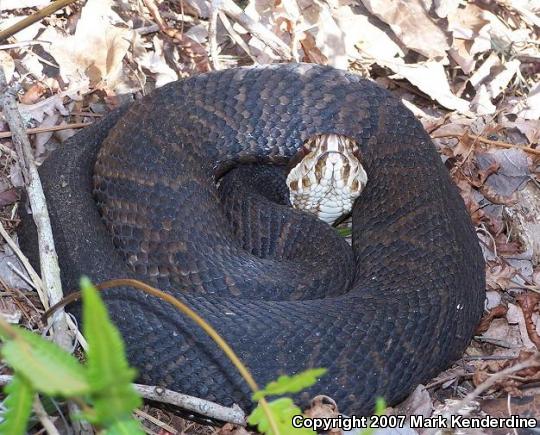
pixel 328 177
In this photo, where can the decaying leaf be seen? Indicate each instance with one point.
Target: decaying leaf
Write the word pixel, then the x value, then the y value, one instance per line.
pixel 94 53
pixel 528 302
pixel 431 79
pixel 412 24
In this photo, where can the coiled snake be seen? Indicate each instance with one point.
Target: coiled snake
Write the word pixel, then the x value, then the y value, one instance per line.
pixel 281 286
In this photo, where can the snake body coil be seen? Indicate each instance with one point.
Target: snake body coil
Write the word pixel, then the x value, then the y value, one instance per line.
pixel 279 285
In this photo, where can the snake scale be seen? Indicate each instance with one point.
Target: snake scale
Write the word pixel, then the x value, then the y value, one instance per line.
pixel 281 287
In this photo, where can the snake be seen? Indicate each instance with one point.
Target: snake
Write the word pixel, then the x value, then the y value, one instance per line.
pixel 186 189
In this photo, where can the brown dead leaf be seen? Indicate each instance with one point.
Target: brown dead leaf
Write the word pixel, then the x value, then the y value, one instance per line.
pixel 511 173
pixel 33 94
pixel 311 51
pixel 499 275
pixel 411 23
pixel 430 78
pixel 500 80
pixel 95 52
pixel 52 104
pixel 532 107
pixel 515 316
pixel 525 407
pixel 510 384
pixel 9 310
pixel 507 247
pixel 466 22
pixel 7 64
pixel 528 302
pixel 40 139
pixel 360 34
pixel 155 62
pixel 323 407
pixel 8 197
pixel 485 323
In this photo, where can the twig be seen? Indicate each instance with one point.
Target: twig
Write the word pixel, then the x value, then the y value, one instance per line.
pixel 43 417
pixel 86 114
pixel 34 18
pixel 203 407
pixel 5 134
pixel 236 37
pixel 212 31
pixel 256 29
pixel 50 270
pixel 209 409
pixel 8 150
pixel 80 426
pixel 36 280
pixel 533 361
pixel 192 48
pixel 23 44
pixel 155 421
pixel 492 142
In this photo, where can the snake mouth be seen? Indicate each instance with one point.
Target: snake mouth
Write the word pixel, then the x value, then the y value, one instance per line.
pixel 328 177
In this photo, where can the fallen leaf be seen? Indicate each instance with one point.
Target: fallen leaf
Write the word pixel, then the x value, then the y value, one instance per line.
pixel 7 64
pixel 532 108
pixel 8 5
pixel 8 197
pixel 513 169
pixel 528 302
pixel 154 61
pixel 515 316
pixel 411 23
pixel 96 50
pixel 499 276
pixel 430 78
pixel 485 323
pixel 500 81
pixel 40 139
pixel 32 94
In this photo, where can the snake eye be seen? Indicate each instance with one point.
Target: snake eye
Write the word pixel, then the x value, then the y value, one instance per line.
pixel 299 156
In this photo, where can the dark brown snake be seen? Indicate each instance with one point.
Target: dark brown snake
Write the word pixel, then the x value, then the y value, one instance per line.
pixel 281 287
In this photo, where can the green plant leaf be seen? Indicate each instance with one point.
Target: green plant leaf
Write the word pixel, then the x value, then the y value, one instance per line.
pixel 18 405
pixel 125 427
pixel 344 232
pixel 290 384
pixel 113 397
pixel 47 367
pixel 283 410
pixel 380 407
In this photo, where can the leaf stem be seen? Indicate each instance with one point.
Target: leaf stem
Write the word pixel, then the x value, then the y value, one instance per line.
pixel 203 324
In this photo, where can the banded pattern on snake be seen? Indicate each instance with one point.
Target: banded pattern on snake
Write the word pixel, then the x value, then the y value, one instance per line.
pixel 282 288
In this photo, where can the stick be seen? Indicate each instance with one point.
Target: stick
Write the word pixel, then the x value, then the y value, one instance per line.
pixel 256 29
pixel 50 270
pixel 43 417
pixel 34 18
pixel 533 361
pixel 491 142
pixel 36 280
pixel 209 409
pixel 203 407
pixel 155 421
pixel 23 44
pixel 212 33
pixel 5 134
